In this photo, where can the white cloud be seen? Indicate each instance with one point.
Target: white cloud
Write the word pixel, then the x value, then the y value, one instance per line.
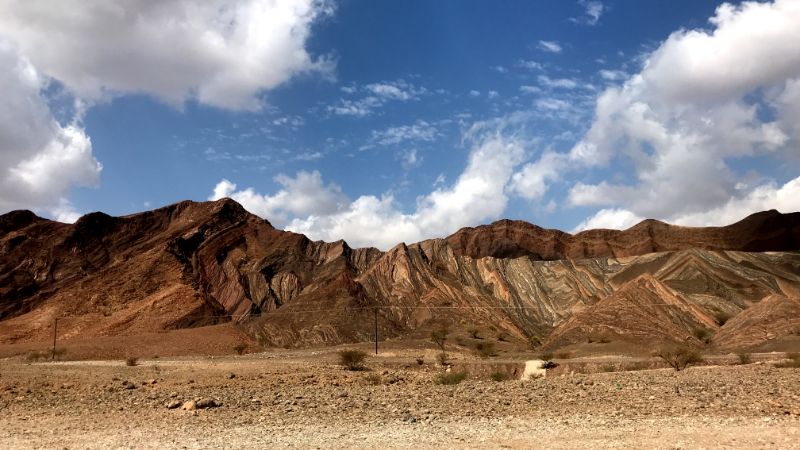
pixel 553 104
pixel 530 65
pixel 219 52
pixel 411 159
pixel 592 12
pixel 526 89
pixel 784 198
pixel 304 195
pixel 532 180
pixel 478 194
pixel 613 75
pixel 613 219
pixel 40 159
pixel 702 100
pixel 418 131
pixel 376 95
pixel 549 46
pixel 474 93
pixel 493 94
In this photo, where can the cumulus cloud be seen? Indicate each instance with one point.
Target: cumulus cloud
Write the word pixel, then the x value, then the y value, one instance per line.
pixel 478 194
pixel 218 52
pixel 785 198
pixel 614 219
pixel 40 159
pixel 702 100
pixel 304 195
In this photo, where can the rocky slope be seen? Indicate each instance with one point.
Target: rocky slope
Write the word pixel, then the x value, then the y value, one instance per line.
pixel 192 264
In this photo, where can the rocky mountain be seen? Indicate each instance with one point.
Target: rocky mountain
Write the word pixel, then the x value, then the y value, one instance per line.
pixel 192 264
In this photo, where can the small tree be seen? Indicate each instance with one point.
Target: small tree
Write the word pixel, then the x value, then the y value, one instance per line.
pixel 439 337
pixel 679 357
pixel 352 359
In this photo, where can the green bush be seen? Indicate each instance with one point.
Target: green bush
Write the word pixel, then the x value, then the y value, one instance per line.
pixel 352 359
pixel 450 378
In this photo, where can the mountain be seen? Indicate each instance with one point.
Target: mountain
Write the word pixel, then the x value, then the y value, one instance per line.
pixel 192 264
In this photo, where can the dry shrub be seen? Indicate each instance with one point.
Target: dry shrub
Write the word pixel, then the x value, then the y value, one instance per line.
pixel 443 359
pixel 373 379
pixel 352 359
pixel 34 356
pixel 498 376
pixel 744 358
pixel 702 335
pixel 420 360
pixel 485 349
pixel 131 361
pixel 793 362
pixel 240 348
pixel 608 368
pixel 475 333
pixel 450 378
pixel 679 357
pixel 534 342
pixel 563 355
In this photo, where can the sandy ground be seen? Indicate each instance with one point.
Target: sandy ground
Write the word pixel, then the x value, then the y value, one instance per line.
pixel 302 399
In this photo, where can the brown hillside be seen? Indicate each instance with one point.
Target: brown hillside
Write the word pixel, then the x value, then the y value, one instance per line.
pixel 192 264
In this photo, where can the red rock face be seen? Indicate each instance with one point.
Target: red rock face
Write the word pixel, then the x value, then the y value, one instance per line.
pixel 192 264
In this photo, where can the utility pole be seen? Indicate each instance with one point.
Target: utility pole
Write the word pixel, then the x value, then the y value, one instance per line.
pixel 55 331
pixel 376 330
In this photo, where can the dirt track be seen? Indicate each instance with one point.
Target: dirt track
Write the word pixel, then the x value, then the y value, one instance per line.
pixel 302 399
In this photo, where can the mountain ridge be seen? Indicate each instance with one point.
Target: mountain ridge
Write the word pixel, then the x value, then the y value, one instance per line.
pixel 195 263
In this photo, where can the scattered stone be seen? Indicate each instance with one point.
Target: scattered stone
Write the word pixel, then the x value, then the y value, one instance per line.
pixel 191 405
pixel 173 404
pixel 207 403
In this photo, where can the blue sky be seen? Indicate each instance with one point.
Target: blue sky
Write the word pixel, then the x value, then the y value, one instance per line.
pixel 389 121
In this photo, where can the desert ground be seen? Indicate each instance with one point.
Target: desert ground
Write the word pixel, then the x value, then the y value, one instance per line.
pixel 304 399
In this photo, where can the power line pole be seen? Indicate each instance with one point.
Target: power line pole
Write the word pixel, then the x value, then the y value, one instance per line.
pixel 55 331
pixel 376 330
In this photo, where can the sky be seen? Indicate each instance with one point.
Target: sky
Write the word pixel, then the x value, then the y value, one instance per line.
pixel 381 122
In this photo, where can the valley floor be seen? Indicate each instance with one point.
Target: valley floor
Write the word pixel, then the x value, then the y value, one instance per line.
pixel 302 399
